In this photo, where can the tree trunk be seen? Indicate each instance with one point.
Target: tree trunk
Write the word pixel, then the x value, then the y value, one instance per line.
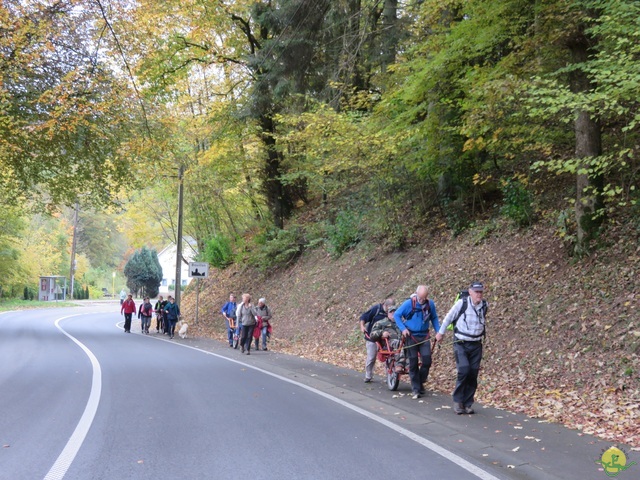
pixel 588 207
pixel 278 198
pixel 589 215
pixel 389 33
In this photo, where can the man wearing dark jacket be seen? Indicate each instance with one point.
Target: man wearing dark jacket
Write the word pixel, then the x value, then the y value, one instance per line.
pixel 367 320
pixel 172 312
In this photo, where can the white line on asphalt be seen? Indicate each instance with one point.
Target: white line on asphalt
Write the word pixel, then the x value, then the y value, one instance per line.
pixel 443 452
pixel 62 464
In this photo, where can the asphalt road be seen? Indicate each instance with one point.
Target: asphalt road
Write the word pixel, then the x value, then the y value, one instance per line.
pixel 81 399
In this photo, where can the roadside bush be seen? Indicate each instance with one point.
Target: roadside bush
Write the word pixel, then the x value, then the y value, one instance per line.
pixel 344 233
pixel 277 248
pixel 517 201
pixel 29 293
pixel 218 252
pixel 456 215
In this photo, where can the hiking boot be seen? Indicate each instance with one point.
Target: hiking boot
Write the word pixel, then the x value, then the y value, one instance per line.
pixel 459 408
pixel 242 351
pixel 415 396
pixel 468 410
pixel 367 380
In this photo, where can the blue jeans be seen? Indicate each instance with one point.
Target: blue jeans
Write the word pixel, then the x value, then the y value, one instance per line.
pixel 145 322
pixel 263 334
pixel 418 376
pixel 468 357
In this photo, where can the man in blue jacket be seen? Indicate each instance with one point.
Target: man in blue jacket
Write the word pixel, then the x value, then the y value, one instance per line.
pixel 413 318
pixel 229 314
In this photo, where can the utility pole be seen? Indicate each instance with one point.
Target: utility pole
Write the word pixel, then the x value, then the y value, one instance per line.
pixel 72 270
pixel 179 238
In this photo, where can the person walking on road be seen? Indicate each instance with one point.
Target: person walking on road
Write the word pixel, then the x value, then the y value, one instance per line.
pixel 264 316
pixel 413 318
pixel 128 307
pixel 468 318
pixel 229 314
pixel 367 320
pixel 171 314
pixel 159 308
pixel 144 314
pixel 246 317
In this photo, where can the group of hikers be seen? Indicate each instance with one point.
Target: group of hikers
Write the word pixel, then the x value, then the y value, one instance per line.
pixel 167 314
pixel 247 323
pixel 405 330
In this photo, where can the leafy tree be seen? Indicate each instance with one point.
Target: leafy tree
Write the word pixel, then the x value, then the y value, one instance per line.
pixel 143 272
pixel 64 113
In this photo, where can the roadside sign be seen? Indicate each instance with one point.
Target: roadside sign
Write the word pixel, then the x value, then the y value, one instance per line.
pixel 198 269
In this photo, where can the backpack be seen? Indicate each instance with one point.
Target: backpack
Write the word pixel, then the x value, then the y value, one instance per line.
pixel 415 307
pixel 147 309
pixel 464 295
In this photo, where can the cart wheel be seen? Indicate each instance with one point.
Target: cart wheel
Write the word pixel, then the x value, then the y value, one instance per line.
pixel 393 378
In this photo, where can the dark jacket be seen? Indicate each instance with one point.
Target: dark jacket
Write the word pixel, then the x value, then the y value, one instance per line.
pixel 371 316
pixel 172 310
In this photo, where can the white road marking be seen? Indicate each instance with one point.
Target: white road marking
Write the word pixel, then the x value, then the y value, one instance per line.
pixel 443 452
pixel 62 464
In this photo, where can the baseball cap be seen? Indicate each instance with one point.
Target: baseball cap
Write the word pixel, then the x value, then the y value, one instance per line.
pixel 477 286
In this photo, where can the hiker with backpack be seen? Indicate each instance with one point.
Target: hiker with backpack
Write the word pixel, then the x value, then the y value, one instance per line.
pixel 263 324
pixel 468 319
pixel 144 314
pixel 229 313
pixel 367 320
pixel 159 308
pixel 413 318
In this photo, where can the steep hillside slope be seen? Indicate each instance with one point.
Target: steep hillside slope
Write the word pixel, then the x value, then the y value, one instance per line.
pixel 563 337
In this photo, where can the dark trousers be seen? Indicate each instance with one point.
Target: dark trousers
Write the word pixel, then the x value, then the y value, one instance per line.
pixel 468 357
pixel 159 322
pixel 171 325
pixel 418 376
pixel 127 322
pixel 246 336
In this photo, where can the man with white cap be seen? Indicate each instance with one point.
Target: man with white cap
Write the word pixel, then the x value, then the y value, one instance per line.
pixel 262 311
pixel 468 318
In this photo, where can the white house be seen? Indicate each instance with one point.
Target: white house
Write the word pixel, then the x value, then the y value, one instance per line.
pixel 167 259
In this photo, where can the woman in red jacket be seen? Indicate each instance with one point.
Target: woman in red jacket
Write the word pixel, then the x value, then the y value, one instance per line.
pixel 128 308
